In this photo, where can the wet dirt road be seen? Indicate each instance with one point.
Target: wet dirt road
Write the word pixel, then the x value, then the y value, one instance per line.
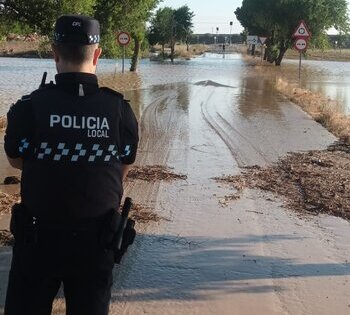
pixel 253 257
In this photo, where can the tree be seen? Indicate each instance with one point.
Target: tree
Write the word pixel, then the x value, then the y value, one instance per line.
pixel 114 15
pixel 40 15
pixel 183 18
pixel 170 26
pixel 123 15
pixel 277 19
pixel 138 27
pixel 160 31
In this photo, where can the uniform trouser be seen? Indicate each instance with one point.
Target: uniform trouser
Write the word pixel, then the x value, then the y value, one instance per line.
pixel 72 258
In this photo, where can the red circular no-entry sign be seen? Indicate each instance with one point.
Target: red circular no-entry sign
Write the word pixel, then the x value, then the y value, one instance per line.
pixel 300 44
pixel 123 38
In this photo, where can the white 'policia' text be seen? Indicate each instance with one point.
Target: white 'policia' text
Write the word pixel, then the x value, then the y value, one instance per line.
pixel 97 127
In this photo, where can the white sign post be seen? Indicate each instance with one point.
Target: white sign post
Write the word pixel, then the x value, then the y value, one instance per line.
pixel 123 39
pixel 262 41
pixel 302 35
pixel 252 40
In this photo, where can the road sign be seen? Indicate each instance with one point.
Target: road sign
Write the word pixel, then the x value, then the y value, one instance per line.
pixel 300 44
pixel 123 38
pixel 252 40
pixel 302 31
pixel 262 40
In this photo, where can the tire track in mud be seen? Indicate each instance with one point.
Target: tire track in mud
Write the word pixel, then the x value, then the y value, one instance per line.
pixel 160 126
pixel 242 149
pixel 154 146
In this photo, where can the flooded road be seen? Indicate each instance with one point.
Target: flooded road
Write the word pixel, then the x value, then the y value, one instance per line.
pixel 20 76
pixel 329 78
pixel 252 257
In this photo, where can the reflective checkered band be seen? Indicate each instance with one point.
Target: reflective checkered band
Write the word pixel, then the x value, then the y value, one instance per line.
pixel 127 151
pixel 112 151
pixel 23 145
pixel 44 150
pixel 78 152
pixel 97 152
pixel 62 151
pixel 94 39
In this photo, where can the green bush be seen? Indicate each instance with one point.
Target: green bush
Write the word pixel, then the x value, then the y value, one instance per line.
pixel 15 27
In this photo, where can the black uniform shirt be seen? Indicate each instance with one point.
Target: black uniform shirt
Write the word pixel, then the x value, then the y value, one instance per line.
pixel 73 138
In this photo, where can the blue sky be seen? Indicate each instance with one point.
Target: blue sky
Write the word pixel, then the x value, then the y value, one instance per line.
pixel 210 14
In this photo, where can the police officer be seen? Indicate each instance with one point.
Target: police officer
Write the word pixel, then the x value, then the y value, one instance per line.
pixel 74 143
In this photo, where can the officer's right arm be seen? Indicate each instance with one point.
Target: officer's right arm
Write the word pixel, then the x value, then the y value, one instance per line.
pixel 17 132
pixel 130 138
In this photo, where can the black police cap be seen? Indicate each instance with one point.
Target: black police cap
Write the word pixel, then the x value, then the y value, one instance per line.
pixel 77 29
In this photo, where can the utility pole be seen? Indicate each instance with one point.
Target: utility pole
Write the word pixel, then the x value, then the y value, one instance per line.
pixel 217 35
pixel 173 38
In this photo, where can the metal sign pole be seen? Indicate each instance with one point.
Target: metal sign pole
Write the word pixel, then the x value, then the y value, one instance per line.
pixel 123 58
pixel 299 66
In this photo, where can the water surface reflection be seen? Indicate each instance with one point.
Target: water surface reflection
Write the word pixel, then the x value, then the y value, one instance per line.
pixel 20 76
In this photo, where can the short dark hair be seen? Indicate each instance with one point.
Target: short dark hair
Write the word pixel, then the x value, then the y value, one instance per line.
pixel 74 53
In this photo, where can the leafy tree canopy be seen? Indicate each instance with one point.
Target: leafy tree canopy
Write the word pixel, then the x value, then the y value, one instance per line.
pixel 122 15
pixel 40 15
pixel 171 25
pixel 277 19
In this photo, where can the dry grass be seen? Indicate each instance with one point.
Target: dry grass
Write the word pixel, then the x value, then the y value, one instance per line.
pixel 121 81
pixel 322 109
pixel 317 54
pixel 313 182
pixel 181 51
pixel 194 50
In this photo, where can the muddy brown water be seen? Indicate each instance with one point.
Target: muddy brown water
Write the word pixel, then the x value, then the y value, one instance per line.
pixel 20 76
pixel 205 119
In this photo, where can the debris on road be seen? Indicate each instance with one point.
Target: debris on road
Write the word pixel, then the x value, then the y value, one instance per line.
pixel 151 173
pixel 143 214
pixel 7 201
pixel 313 182
pixel 12 180
pixel 6 238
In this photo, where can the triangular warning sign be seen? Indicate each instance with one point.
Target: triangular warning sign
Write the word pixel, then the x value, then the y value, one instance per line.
pixel 302 31
pixel 262 40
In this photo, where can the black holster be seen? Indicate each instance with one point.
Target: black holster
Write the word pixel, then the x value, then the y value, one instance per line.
pixel 23 226
pixel 112 238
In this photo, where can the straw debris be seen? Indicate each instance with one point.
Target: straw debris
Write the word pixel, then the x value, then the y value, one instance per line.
pixel 7 201
pixel 6 238
pixel 313 182
pixel 151 173
pixel 3 123
pixel 144 214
